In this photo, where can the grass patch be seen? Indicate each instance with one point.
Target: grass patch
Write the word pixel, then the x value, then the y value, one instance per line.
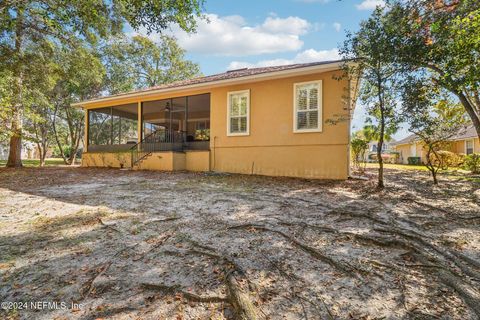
pixel 399 166
pixel 35 162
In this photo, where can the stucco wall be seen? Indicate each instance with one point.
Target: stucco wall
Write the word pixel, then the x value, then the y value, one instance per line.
pixel 111 159
pixel 197 160
pixel 405 151
pixel 318 162
pixel 272 148
pixel 165 161
pixel 459 146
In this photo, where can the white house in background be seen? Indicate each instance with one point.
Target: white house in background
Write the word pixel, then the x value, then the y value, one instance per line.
pixel 28 150
pixel 372 149
pixel 3 151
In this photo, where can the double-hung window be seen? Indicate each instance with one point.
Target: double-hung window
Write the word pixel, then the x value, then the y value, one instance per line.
pixel 238 117
pixel 308 107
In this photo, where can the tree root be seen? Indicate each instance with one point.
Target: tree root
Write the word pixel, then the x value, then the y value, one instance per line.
pixel 295 279
pixel 416 244
pixel 469 295
pixel 187 295
pixel 463 262
pixel 107 226
pixel 339 265
pixel 87 288
pixel 162 240
pixel 237 297
pixel 344 213
pixel 163 220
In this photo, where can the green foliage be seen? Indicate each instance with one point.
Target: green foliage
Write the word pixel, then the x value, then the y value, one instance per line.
pixel 372 48
pixel 434 126
pixel 446 159
pixel 358 146
pixel 139 63
pixel 440 40
pixel 472 162
pixel 31 32
pixel 158 15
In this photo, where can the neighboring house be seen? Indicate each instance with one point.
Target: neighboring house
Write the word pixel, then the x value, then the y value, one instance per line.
pixel 466 142
pixel 267 121
pixel 3 151
pixel 372 149
pixel 29 150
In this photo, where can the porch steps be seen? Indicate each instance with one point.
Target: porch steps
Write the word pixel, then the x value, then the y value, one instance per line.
pixel 136 165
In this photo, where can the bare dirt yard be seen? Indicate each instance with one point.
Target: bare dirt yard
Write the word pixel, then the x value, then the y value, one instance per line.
pixel 152 245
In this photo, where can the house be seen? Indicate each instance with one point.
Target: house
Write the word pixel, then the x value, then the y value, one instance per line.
pixel 371 153
pixel 29 150
pixel 3 151
pixel 465 142
pixel 267 121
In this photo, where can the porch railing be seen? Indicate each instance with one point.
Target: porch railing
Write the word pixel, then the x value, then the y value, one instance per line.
pixel 160 140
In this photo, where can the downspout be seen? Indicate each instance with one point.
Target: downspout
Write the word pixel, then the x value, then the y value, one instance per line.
pixel 213 155
pixel 349 169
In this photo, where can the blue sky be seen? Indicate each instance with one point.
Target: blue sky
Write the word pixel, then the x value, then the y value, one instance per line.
pixel 252 33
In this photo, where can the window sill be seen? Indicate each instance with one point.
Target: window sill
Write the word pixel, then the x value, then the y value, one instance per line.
pixel 238 134
pixel 308 131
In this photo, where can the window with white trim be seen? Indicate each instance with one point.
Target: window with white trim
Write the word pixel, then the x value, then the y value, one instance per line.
pixel 308 106
pixel 238 113
pixel 469 147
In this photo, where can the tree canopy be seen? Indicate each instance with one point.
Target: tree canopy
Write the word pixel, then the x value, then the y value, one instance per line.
pixel 31 30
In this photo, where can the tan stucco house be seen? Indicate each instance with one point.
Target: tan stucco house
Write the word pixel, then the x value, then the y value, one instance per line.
pixel 267 121
pixel 465 142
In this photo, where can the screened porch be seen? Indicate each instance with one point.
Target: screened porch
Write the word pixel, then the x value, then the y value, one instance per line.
pixel 174 124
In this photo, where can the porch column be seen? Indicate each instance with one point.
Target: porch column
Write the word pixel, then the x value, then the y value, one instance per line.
pixel 85 146
pixel 139 122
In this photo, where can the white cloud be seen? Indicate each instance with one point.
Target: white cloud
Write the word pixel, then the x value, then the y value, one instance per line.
pixel 310 55
pixel 232 36
pixel 337 26
pixel 370 4
pixel 290 25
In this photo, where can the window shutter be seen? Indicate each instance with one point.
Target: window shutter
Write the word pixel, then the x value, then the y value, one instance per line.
pixel 238 113
pixel 307 106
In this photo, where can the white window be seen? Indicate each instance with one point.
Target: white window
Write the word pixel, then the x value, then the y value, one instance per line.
pixel 308 107
pixel 238 115
pixel 469 147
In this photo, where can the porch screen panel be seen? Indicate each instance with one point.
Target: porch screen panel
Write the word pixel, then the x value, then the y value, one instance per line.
pixel 125 119
pixel 113 126
pixel 100 126
pixel 198 118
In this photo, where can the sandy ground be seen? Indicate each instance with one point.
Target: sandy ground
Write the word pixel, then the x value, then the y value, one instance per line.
pixel 151 245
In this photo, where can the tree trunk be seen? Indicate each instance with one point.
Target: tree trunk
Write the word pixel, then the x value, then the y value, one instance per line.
pixel 434 176
pixel 55 133
pixel 380 183
pixel 471 110
pixel 15 153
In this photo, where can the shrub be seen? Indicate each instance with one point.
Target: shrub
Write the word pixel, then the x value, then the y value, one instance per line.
pixel 472 162
pixel 414 160
pixel 446 159
pixel 391 157
pixel 359 147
